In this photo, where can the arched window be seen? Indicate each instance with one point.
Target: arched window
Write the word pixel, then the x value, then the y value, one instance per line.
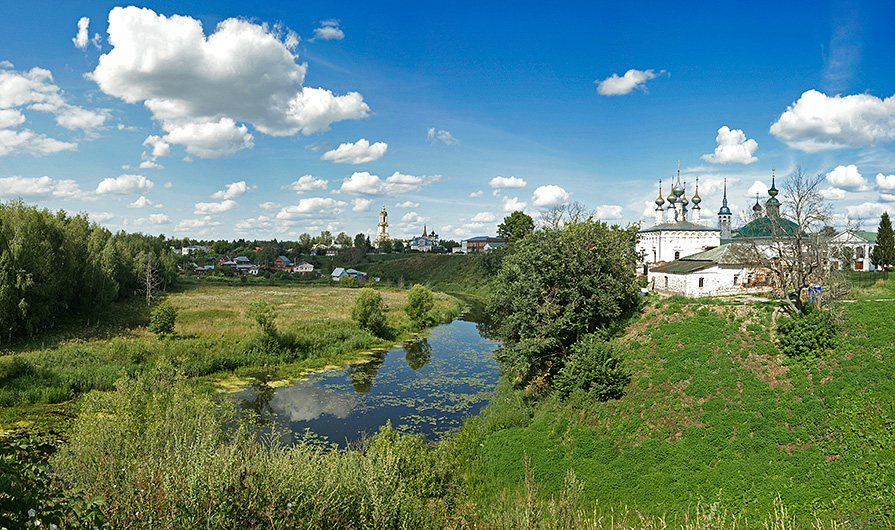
pixel 677 254
pixel 666 282
pixel 701 283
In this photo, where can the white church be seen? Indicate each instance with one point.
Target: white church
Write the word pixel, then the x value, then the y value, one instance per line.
pixel 680 231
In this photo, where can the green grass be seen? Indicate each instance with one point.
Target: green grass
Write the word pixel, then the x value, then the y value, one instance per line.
pixel 443 272
pixel 715 414
pixel 213 336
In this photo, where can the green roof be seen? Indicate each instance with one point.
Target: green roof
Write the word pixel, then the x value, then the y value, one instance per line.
pixel 768 227
pixel 869 236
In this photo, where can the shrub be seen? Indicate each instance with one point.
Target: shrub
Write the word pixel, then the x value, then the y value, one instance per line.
pixel 592 368
pixel 264 316
pixel 367 311
pixel 419 302
pixel 162 321
pixel 808 334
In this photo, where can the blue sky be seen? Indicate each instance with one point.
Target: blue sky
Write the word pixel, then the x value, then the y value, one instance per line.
pixel 264 120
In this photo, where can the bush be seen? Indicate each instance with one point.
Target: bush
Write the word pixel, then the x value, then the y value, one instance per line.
pixel 264 316
pixel 592 368
pixel 162 321
pixel 808 334
pixel 419 302
pixel 367 311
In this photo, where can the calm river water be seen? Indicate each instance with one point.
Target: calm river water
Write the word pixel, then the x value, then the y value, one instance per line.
pixel 425 385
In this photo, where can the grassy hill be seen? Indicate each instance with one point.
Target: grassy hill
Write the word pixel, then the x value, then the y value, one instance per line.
pixel 715 415
pixel 443 272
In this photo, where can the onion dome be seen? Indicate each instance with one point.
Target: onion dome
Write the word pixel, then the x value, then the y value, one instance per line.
pixel 772 191
pixel 659 200
pixel 724 209
pixel 696 200
pixel 757 208
pixel 677 189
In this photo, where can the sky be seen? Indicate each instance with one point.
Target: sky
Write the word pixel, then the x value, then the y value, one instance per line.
pixel 260 120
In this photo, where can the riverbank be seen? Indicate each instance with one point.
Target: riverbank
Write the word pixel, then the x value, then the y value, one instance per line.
pixel 214 339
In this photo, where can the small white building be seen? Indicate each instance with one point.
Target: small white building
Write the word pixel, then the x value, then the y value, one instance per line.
pixel 860 245
pixel 303 268
pixel 720 271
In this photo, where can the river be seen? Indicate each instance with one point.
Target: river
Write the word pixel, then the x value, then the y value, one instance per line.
pixel 427 385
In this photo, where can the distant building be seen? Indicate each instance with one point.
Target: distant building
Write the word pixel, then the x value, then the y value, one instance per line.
pixel 425 242
pixel 303 268
pixel 477 244
pixel 382 228
pixel 282 263
pixel 861 244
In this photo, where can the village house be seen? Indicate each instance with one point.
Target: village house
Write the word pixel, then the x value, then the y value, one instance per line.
pixel 477 244
pixel 303 268
pixel 851 250
pixel 282 263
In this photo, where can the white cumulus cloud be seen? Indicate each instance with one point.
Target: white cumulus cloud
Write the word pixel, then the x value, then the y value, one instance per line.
pixel 833 193
pixel 83 37
pixel 360 205
pixel 484 217
pixel 817 122
pixel 124 185
pixel 847 177
pixel 507 182
pixel 159 218
pixel 31 143
pixel 363 183
pixel 407 204
pixel 885 182
pixel 329 30
pixel 511 205
pixel 208 208
pixel 143 202
pixel 359 152
pixel 39 188
pixel 476 194
pixel 609 212
pixel 620 86
pixel 234 190
pixel 757 188
pixel 733 148
pixel 307 183
pixel 312 206
pixel 549 195
pixel 867 210
pixel 199 87
pixel 440 135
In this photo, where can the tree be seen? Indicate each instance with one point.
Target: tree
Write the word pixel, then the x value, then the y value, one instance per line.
pixel 368 311
pixel 883 255
pixel 263 315
pixel 360 241
pixel 419 302
pixel 559 215
pixel 163 319
pixel 152 280
pixel 515 226
pixel 558 285
pixel 793 248
pixel 343 239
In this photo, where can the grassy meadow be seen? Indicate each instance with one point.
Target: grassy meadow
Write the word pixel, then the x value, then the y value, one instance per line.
pixel 214 339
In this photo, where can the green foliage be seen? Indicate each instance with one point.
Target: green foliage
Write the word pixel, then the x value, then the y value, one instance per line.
pixel 163 320
pixel 53 265
pixel 807 335
pixel 883 254
pixel 348 281
pixel 592 367
pixel 264 316
pixel 516 226
pixel 419 302
pixel 556 286
pixel 368 311
pixel 30 496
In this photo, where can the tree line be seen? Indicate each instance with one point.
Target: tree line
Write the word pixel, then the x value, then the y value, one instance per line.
pixel 56 266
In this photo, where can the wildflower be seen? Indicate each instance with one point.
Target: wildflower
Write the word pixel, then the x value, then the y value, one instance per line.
pixel 31 512
pixel 53 526
pixel 288 505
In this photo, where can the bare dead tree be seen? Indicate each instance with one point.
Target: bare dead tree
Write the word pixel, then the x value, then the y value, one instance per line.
pixel 560 215
pixel 796 252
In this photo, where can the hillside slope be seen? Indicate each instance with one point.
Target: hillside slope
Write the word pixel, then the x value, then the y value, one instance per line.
pixel 715 414
pixel 443 272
